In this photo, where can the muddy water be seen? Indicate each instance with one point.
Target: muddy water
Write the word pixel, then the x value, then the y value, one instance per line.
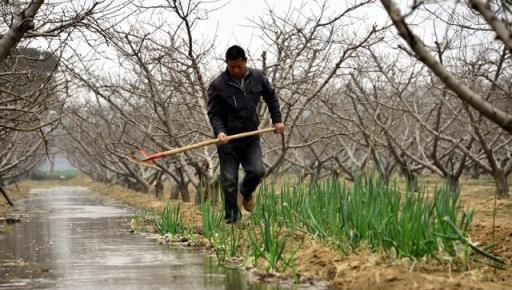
pixel 73 239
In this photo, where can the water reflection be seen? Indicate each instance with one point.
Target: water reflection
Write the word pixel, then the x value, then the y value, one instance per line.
pixel 75 240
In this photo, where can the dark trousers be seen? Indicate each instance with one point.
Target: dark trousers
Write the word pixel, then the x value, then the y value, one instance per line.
pixel 245 152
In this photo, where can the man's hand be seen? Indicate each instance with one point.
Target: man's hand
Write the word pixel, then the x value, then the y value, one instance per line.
pixel 223 138
pixel 279 128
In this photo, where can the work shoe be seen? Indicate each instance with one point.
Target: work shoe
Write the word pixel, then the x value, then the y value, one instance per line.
pixel 249 202
pixel 231 221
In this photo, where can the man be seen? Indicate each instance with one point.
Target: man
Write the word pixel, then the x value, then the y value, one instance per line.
pixel 233 99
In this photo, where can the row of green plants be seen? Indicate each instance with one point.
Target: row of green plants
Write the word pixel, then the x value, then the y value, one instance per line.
pixel 170 221
pixel 258 243
pixel 367 212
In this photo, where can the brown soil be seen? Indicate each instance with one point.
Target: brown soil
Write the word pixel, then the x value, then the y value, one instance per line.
pixel 365 270
pixel 479 195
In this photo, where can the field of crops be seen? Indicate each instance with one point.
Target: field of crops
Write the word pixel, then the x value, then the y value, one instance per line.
pixel 412 228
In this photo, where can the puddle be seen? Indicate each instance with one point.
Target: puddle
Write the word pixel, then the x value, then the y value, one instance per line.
pixel 73 239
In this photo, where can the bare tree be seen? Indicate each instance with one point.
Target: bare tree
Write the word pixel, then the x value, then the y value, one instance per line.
pixel 462 91
pixel 39 20
pixel 479 77
pixel 162 94
pixel 31 99
pixel 164 98
pixel 30 108
pixel 307 57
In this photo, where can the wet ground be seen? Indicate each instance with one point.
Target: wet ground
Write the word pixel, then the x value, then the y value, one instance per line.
pixel 73 239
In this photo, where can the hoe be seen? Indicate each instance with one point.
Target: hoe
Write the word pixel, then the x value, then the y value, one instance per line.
pixel 149 160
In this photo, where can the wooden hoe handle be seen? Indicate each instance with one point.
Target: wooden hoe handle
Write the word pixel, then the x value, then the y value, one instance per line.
pixel 204 143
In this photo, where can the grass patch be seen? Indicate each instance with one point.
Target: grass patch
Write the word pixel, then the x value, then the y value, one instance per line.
pixel 270 245
pixel 211 219
pixel 170 220
pixel 413 225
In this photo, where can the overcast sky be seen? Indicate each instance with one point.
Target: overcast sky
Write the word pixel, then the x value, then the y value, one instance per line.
pixel 233 20
pixel 230 21
pixel 234 23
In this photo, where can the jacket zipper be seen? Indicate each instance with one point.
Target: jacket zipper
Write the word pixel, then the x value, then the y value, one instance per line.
pixel 242 88
pixel 236 86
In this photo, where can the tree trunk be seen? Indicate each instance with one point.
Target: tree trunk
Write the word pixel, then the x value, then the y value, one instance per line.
pixel 23 22
pixel 501 185
pixel 476 171
pixel 411 180
pixel 180 189
pixel 452 183
pixel 159 188
pixel 6 196
pixel 385 175
pixel 208 190
pixel 185 194
pixel 174 192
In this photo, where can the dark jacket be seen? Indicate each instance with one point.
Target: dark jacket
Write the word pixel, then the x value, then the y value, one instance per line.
pixel 232 108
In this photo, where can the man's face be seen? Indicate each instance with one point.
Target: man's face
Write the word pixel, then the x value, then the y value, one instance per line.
pixel 237 67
